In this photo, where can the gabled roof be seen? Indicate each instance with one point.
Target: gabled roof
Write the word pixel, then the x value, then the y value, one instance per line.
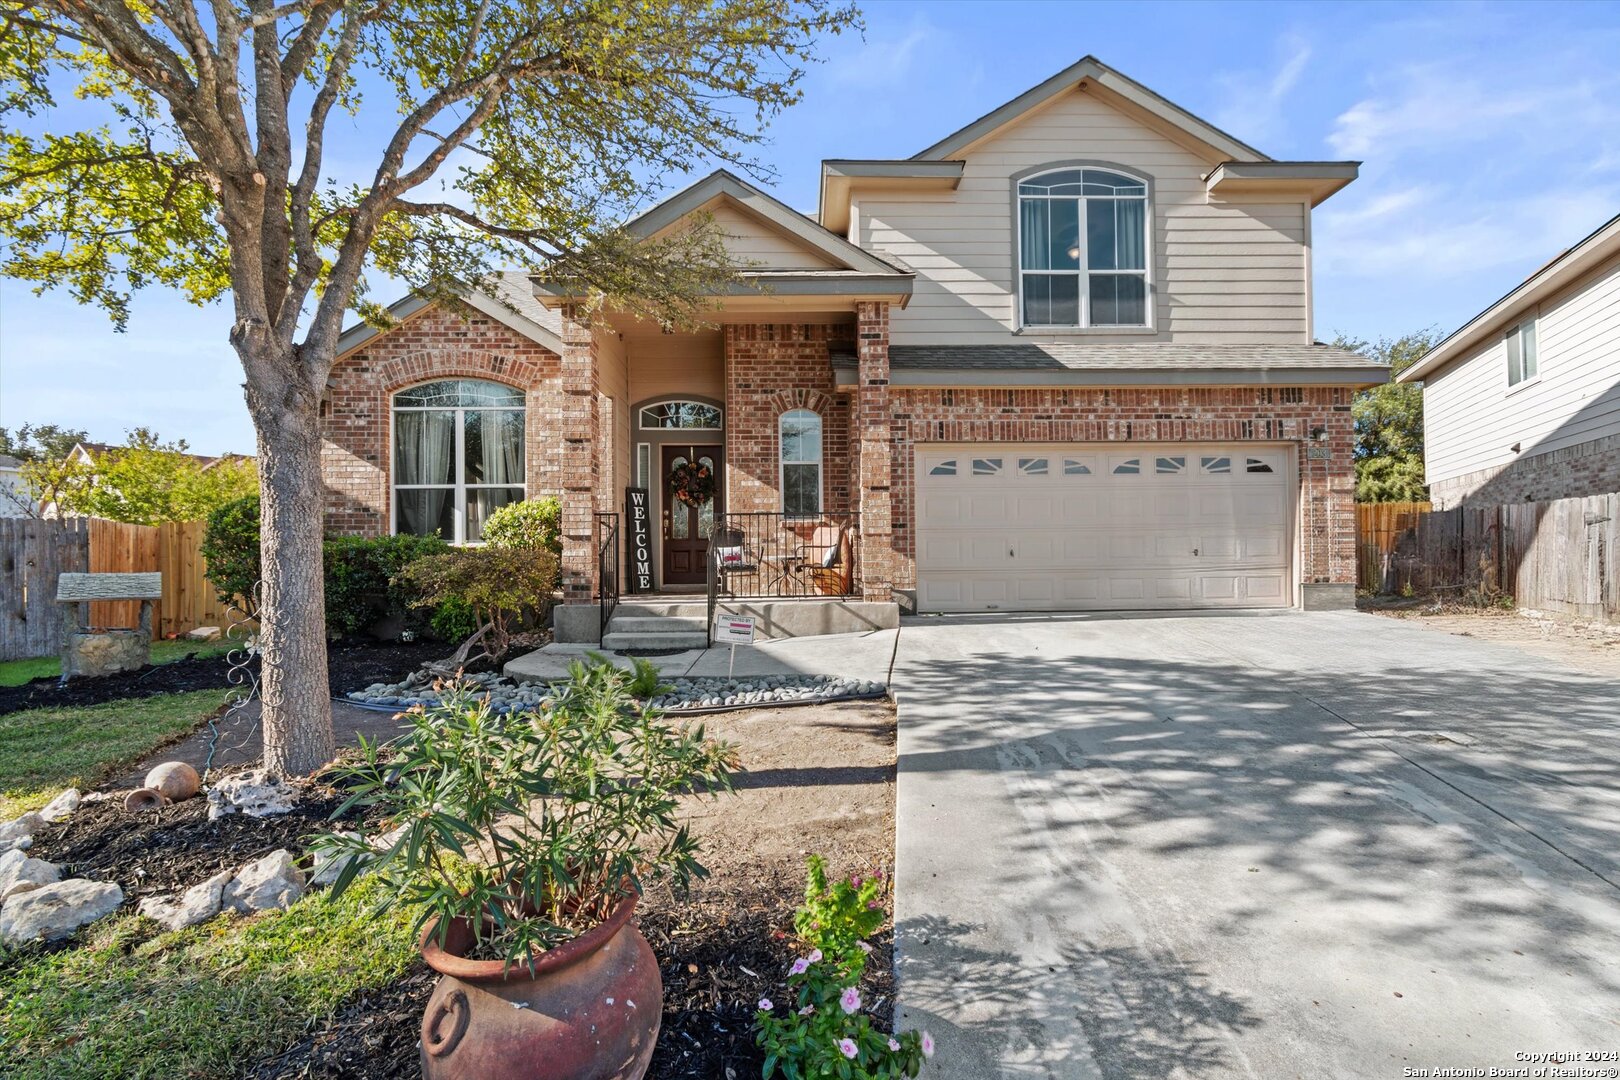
pixel 1089 68
pixel 1600 245
pixel 794 225
pixel 509 301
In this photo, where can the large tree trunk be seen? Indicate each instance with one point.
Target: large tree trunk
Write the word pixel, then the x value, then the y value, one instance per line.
pixel 297 715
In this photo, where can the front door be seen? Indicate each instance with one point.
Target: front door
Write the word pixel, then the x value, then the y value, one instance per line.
pixel 687 527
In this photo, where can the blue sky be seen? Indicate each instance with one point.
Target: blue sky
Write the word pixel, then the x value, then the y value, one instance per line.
pixel 1490 135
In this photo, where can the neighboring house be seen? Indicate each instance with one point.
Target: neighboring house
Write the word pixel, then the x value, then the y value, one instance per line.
pixel 1063 359
pixel 88 452
pixel 1523 403
pixel 14 498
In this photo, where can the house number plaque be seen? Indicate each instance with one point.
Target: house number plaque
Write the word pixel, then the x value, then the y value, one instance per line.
pixel 637 514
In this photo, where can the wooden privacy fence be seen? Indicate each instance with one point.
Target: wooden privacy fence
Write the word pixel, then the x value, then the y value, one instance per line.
pixel 1561 557
pixel 1378 526
pixel 33 553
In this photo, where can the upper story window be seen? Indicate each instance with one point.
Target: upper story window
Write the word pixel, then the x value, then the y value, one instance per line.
pixel 1082 249
pixel 1522 360
pixel 458 455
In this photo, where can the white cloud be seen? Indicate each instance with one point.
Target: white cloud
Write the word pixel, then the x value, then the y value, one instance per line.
pixel 886 57
pixel 1257 101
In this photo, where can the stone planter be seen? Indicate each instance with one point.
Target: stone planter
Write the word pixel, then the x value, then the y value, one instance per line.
pixel 587 1010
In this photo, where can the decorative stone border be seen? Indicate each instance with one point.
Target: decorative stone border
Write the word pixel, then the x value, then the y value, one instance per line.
pixel 688 694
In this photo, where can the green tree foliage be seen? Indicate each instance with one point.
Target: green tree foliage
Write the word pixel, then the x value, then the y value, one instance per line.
pixel 145 482
pixel 530 523
pixel 523 132
pixel 40 442
pixel 1389 421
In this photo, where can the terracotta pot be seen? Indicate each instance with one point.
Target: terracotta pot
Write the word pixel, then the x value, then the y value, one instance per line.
pixel 586 1010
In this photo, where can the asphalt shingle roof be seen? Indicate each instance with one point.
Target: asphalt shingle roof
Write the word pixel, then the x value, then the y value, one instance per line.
pixel 1095 356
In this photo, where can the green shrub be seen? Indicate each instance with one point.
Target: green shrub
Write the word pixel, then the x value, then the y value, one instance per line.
pixel 533 523
pixel 453 620
pixel 499 585
pixel 230 548
pixel 361 573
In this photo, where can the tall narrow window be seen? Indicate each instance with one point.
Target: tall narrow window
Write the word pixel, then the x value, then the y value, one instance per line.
pixel 458 455
pixel 801 463
pixel 1082 249
pixel 1522 359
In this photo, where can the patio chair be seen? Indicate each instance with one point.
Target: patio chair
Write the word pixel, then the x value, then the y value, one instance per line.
pixel 732 555
pixel 832 573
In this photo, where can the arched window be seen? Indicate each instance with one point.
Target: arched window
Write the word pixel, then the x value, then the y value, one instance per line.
pixel 801 463
pixel 1082 249
pixel 458 454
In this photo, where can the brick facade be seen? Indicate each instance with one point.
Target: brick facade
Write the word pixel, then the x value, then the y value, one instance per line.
pixel 1589 468
pixel 1225 414
pixel 771 368
pixel 452 341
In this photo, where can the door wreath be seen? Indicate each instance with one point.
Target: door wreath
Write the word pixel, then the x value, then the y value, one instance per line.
pixel 692 483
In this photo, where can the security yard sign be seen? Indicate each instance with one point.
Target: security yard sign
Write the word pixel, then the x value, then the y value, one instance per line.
pixel 734 630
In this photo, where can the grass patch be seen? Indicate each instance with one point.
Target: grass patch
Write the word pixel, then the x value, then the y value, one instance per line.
pixel 17 672
pixel 200 1002
pixel 49 749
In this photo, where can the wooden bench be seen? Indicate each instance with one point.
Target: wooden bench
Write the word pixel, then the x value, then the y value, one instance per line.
pixel 102 651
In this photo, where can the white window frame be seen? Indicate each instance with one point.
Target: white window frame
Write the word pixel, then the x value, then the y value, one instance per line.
pixel 1514 344
pixel 1083 273
pixel 782 463
pixel 460 488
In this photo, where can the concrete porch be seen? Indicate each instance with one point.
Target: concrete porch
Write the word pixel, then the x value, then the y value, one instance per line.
pixel 678 620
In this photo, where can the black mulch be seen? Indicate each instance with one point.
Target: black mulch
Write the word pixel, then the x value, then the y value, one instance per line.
pixel 353 665
pixel 167 850
pixel 720 951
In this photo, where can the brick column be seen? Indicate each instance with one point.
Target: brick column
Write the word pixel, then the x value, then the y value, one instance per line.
pixel 874 440
pixel 581 428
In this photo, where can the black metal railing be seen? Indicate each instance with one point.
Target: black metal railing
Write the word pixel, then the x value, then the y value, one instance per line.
pixel 607 566
pixel 766 555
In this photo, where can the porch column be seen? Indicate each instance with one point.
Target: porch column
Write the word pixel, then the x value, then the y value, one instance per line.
pixel 581 427
pixel 875 439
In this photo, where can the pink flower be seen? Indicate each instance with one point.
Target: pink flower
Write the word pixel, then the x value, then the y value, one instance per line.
pixel 878 874
pixel 815 956
pixel 865 948
pixel 894 1044
pixel 807 1010
pixel 850 1000
pixel 800 966
pixel 847 1048
pixel 872 905
pixel 765 1005
pixel 927 1045
pixel 855 881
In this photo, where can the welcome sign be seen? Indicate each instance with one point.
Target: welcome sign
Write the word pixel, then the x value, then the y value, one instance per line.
pixel 638 514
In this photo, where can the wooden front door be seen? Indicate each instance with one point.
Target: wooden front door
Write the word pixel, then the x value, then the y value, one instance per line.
pixel 687 528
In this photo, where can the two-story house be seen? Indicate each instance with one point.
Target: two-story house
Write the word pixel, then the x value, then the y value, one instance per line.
pixel 1061 359
pixel 1523 402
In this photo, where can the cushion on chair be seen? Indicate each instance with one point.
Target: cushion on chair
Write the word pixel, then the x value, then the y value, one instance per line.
pixel 729 556
pixel 830 559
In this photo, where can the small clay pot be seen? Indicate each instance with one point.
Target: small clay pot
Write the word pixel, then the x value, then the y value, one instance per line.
pixel 175 779
pixel 586 1010
pixel 146 798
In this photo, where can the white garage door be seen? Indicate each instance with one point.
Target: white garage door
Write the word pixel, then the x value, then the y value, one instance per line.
pixel 1074 528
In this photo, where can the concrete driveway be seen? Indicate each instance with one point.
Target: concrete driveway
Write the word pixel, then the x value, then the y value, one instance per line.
pixel 1313 845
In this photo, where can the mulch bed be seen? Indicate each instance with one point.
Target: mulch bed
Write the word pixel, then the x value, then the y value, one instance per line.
pixel 719 951
pixel 168 850
pixel 353 665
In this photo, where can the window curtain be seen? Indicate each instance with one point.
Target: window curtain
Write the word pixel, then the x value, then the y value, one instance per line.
pixel 1036 239
pixel 1130 221
pixel 502 447
pixel 424 443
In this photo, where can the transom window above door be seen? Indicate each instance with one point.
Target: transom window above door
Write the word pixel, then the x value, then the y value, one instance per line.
pixel 1082 249
pixel 458 455
pixel 683 415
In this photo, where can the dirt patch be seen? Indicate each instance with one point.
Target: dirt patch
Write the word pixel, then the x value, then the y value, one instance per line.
pixel 176 847
pixel 1582 648
pixel 819 779
pixel 353 665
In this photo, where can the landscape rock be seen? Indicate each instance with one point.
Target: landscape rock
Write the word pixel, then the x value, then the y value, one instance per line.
pixel 256 794
pixel 56 910
pixel 175 779
pixel 203 633
pixel 201 902
pixel 19 873
pixel 327 865
pixel 273 882
pixel 62 806
pixel 18 833
pixel 694 692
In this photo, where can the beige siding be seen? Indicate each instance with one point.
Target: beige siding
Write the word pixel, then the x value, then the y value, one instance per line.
pixel 1224 270
pixel 1472 417
pixel 753 243
pixel 615 387
pixel 667 365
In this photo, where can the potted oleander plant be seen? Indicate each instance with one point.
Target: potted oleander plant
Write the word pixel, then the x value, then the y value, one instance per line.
pixel 524 841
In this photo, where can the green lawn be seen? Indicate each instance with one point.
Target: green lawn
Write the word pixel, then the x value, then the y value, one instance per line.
pixel 204 1002
pixel 17 672
pixel 47 750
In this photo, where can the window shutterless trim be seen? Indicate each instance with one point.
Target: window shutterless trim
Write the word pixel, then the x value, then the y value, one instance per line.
pixel 782 463
pixel 458 490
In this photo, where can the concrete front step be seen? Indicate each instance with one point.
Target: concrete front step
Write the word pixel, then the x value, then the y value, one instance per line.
pixel 680 609
pixel 636 623
pixel 681 639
